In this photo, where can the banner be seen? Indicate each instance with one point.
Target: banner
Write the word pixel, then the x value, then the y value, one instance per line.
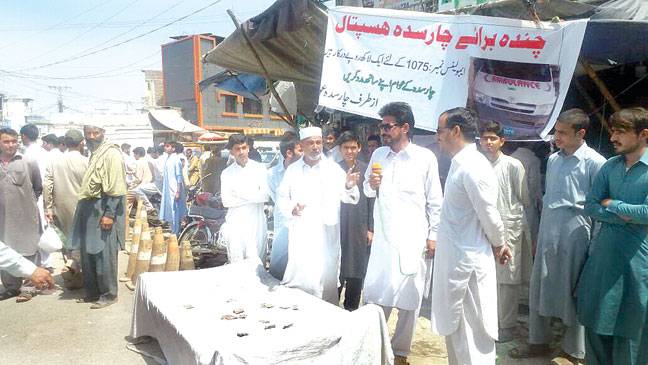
pixel 511 71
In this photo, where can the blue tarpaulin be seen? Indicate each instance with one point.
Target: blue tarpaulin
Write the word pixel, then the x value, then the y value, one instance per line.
pixel 247 85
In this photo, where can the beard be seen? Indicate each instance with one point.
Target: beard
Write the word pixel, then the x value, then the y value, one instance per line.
pixel 93 144
pixel 316 157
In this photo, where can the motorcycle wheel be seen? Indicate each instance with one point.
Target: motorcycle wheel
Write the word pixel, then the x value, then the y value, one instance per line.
pixel 197 234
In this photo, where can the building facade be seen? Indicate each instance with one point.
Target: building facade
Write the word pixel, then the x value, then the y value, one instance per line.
pixel 210 108
pixel 154 89
pixel 14 112
pixel 427 6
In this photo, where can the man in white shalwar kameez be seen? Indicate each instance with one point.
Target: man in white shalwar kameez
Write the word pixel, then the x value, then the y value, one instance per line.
pixel 290 152
pixel 471 234
pixel 563 241
pixel 309 196
pixel 244 190
pixel 405 182
pixel 512 202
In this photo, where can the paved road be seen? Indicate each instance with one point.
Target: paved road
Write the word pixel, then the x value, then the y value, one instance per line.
pixel 54 329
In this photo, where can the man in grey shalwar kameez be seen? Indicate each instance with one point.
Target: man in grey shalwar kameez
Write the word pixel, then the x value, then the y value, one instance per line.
pixel 563 240
pixel 20 186
pixel 99 221
pixel 356 227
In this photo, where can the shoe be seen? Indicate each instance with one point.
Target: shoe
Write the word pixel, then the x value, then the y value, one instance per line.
pixel 400 360
pixel 505 335
pixel 102 304
pixel 7 294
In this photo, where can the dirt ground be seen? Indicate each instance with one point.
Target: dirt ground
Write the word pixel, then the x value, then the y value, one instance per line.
pixel 54 329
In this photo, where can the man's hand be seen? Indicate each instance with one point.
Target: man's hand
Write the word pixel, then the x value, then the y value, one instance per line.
pixel 369 238
pixel 297 210
pixel 503 254
pixel 606 203
pixel 374 180
pixel 42 279
pixel 352 178
pixel 431 249
pixel 177 195
pixel 49 217
pixel 106 223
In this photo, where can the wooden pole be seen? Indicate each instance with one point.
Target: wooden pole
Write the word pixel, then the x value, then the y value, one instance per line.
pixel 265 70
pixel 592 104
pixel 600 85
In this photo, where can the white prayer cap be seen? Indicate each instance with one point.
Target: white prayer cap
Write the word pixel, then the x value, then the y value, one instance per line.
pixel 310 132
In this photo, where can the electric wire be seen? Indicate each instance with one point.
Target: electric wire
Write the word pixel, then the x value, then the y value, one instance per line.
pixel 74 58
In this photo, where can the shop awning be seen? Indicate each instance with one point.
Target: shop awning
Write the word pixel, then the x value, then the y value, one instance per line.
pixel 289 38
pixel 165 120
pixel 249 131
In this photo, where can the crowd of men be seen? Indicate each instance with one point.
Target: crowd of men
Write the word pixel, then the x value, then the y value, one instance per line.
pixel 379 226
pixel 56 183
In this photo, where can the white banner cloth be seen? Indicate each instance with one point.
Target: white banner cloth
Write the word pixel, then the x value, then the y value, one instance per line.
pixel 512 71
pixel 183 311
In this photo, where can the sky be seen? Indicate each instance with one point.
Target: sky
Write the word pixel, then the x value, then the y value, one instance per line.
pixel 47 46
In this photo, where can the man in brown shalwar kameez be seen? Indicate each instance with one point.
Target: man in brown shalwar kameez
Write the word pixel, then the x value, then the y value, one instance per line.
pixel 20 228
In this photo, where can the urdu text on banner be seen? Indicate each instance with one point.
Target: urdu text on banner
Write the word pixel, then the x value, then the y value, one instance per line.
pixel 511 71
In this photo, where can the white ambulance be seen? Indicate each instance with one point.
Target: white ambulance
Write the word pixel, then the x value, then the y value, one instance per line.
pixel 519 96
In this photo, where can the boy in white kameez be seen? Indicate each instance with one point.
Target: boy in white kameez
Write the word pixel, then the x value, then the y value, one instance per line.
pixel 244 190
pixel 512 203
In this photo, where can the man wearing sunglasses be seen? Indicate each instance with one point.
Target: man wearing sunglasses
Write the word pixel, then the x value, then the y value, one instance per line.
pixel 404 179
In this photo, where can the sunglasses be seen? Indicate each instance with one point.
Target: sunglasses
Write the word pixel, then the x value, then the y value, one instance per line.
pixel 388 126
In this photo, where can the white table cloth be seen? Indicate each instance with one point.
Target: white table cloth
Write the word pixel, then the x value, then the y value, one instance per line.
pixel 183 311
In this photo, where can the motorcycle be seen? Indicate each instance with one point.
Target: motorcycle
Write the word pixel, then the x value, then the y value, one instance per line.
pixel 206 216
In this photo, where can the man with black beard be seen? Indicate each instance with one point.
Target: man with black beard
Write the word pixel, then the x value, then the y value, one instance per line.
pixel 99 220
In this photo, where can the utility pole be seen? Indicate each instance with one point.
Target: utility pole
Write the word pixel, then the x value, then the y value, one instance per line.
pixel 60 90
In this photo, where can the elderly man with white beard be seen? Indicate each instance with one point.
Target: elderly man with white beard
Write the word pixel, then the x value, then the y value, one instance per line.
pixel 309 196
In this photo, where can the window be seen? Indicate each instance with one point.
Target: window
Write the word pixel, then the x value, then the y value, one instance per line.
pixel 230 103
pixel 251 107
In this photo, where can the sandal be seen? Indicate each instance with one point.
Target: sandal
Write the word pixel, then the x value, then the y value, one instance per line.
pixel 24 297
pixel 529 351
pixel 566 359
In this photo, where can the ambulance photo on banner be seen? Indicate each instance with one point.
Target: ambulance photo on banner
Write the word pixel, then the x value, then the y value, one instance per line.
pixel 511 71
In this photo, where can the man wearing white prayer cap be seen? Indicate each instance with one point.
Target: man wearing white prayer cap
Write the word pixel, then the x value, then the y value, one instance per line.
pixel 310 195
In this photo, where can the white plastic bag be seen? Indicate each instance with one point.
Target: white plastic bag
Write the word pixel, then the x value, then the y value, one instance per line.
pixel 50 240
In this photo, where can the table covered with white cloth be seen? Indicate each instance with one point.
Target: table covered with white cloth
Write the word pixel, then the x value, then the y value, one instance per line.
pixel 239 314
